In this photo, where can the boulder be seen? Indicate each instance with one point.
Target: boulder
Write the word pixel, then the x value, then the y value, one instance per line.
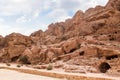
pixel 35 49
pixel 71 45
pixel 17 39
pixel 15 51
pixel 27 52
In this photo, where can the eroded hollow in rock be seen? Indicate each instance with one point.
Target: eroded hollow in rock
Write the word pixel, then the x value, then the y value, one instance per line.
pixel 103 67
pixel 24 60
pixel 82 53
pixel 72 50
pixel 111 57
pixel 118 6
pixel 14 58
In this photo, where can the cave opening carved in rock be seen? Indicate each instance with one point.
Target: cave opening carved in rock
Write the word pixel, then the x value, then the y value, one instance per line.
pixel 103 67
pixel 14 58
pixel 111 57
pixel 72 50
pixel 82 53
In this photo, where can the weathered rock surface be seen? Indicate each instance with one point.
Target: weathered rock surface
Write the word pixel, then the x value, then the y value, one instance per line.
pixel 2 42
pixel 87 39
pixel 18 39
pixel 96 21
pixel 14 45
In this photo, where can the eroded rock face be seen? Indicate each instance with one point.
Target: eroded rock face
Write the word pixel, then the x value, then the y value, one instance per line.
pixel 14 51
pixel 114 4
pixel 14 45
pixel 37 55
pixel 97 21
pixel 2 42
pixel 87 39
pixel 71 45
pixel 18 39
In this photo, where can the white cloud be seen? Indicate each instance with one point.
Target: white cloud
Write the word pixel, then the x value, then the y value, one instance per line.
pixel 58 15
pixel 36 14
pixel 23 19
pixel 18 1
pixel 4 29
pixel 7 29
pixel 15 7
pixel 75 5
pixel 2 20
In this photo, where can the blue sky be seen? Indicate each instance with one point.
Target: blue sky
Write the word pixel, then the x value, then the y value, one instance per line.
pixel 27 16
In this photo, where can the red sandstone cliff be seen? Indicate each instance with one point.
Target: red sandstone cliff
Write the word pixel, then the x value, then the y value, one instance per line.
pixel 88 38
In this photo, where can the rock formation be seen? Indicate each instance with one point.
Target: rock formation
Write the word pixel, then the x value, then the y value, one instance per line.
pixel 90 38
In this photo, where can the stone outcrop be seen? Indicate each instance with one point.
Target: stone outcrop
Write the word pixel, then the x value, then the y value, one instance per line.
pixel 18 39
pixel 96 21
pixel 87 39
pixel 71 45
pixel 2 42
pixel 14 45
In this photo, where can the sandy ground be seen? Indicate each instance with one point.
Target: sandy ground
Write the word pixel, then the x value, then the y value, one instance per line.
pixel 14 75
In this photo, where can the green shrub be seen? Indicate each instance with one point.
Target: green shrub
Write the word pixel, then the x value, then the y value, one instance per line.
pixel 18 66
pixel 49 67
pixel 8 64
pixel 24 59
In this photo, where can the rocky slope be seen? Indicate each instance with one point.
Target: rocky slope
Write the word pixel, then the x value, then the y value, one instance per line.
pixel 90 39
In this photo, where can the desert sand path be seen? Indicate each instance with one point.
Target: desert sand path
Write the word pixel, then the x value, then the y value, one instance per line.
pixel 25 73
pixel 14 75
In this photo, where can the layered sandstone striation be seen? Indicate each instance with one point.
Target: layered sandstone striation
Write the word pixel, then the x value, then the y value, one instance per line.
pixel 90 39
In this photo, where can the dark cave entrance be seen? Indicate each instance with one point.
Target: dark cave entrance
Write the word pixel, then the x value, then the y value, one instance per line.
pixel 72 50
pixel 103 67
pixel 111 57
pixel 14 58
pixel 82 53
